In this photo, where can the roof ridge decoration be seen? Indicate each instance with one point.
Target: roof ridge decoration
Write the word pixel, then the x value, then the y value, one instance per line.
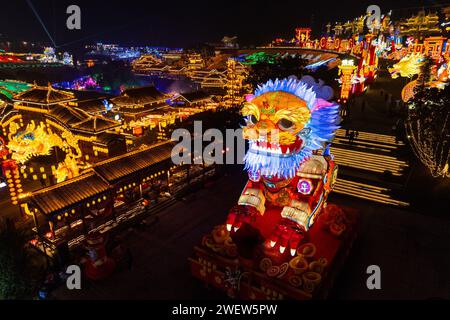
pixel 44 98
pixel 94 118
pixel 49 86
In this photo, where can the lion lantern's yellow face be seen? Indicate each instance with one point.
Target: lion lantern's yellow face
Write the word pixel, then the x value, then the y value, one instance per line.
pixel 274 120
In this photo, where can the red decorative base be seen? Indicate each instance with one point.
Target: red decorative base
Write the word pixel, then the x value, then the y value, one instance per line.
pixel 271 275
pixel 99 272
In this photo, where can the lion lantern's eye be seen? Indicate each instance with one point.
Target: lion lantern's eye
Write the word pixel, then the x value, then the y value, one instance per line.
pixel 252 120
pixel 285 124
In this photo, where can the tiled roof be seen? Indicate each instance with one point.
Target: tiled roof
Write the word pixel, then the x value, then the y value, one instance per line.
pixel 134 162
pixel 44 95
pixel 96 124
pixel 68 115
pixel 196 96
pixel 69 193
pixel 139 96
pixel 106 138
pixel 63 195
pixel 92 106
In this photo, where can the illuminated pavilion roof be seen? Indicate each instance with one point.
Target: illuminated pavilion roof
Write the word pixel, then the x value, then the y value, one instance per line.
pixel 69 193
pixel 91 106
pixel 96 124
pixel 67 115
pixel 134 162
pixel 144 110
pixel 192 97
pixel 139 97
pixel 44 96
pixel 80 120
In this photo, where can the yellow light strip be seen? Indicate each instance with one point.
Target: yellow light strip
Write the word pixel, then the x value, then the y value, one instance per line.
pixel 363 144
pixel 357 159
pixel 362 184
pixel 350 185
pixel 369 166
pixel 372 136
pixel 363 192
pixel 56 125
pixel 99 149
pixel 88 139
pixel 368 195
pixel 366 155
pixel 6 123
pixel 39 110
pixel 360 189
pixel 390 201
pixel 368 134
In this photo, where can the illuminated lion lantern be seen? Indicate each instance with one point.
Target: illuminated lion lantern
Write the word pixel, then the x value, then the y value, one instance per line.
pixel 290 170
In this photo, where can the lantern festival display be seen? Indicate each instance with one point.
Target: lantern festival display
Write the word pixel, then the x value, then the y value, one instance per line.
pixel 98 265
pixel 347 78
pixel 281 239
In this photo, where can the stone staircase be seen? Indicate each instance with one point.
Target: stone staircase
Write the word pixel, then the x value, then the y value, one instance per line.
pixel 371 167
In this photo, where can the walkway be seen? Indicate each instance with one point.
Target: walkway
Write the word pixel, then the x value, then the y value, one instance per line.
pixel 374 166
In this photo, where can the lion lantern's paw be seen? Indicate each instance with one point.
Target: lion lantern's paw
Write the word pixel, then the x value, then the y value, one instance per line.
pixel 286 235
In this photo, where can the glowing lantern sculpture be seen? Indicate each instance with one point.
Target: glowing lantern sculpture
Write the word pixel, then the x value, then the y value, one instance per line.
pixel 346 71
pixel 273 224
pixel 98 265
pixel 407 66
pixel 286 122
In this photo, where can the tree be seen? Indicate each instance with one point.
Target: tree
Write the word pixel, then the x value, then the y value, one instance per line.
pixel 14 284
pixel 428 128
pixel 282 67
pixel 425 74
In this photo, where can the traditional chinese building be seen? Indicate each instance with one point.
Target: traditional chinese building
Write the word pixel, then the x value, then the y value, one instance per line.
pixel 95 135
pixel 236 74
pixel 41 123
pixel 195 62
pixel 136 103
pixel 93 107
pixel 198 100
pixel 145 62
pixel 111 193
pixel 210 79
pixel 420 25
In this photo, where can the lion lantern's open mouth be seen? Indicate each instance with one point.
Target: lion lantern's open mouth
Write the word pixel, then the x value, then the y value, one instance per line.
pixel 263 146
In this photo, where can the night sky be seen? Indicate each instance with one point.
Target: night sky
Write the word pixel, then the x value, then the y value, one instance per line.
pixel 181 23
